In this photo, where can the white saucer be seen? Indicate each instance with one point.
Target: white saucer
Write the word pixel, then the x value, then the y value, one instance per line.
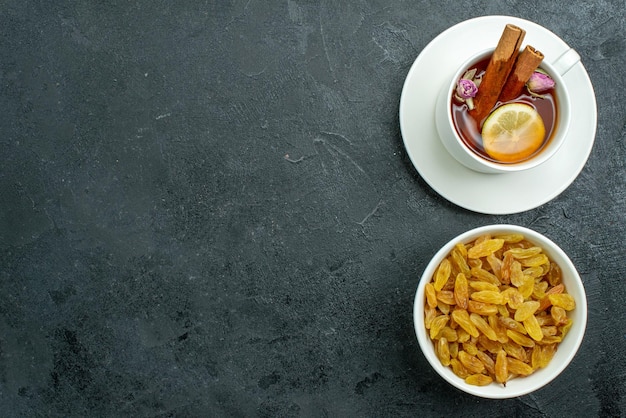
pixel 496 194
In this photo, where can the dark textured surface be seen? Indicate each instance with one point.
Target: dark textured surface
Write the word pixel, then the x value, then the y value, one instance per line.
pixel 207 210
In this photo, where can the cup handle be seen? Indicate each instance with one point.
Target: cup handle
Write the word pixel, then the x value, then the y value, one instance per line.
pixel 566 61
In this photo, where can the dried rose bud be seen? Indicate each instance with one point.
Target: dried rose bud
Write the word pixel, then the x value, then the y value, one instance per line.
pixel 466 88
pixel 539 82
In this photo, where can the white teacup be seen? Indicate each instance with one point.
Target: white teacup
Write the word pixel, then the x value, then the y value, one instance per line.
pixel 450 138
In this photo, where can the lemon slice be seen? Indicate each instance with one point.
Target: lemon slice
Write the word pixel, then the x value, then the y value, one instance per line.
pixel 513 132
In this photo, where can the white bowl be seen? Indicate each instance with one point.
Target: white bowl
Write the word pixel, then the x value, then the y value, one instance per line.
pixel 566 349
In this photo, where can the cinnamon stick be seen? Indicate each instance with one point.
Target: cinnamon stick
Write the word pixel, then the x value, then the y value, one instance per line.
pixel 526 63
pixel 497 71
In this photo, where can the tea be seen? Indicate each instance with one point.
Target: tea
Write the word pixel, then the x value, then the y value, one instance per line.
pixel 469 129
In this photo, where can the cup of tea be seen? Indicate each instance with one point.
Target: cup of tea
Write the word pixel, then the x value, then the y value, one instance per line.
pixel 480 144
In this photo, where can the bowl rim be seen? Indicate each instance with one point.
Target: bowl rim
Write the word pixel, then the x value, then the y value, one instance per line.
pixel 569 346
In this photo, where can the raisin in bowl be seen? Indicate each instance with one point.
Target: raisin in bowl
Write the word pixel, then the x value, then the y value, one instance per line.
pixel 500 311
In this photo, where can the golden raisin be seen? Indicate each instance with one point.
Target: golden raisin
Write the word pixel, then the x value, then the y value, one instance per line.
pixel 554 274
pixel 482 308
pixel 497 326
pixel 480 285
pixel 518 367
pixel 544 319
pixel 478 380
pixel 459 262
pixel 518 338
pixel 511 238
pixel 484 276
pixel 545 301
pixel 453 347
pixel 539 290
pixel 470 348
pixel 517 275
pixel 483 326
pixel 443 274
pixel 446 296
pixel 541 355
pixel 566 327
pixel 487 362
pixel 495 264
pixel 534 261
pixel 461 291
pixel 443 351
pixel 443 307
pixel 485 248
pixel 461 249
pixel 513 297
pixel 429 315
pixel 471 363
pixel 514 350
pixel 525 310
pixel 558 315
pixel 463 336
pixel 505 272
pixel 533 328
pixel 448 333
pixel 431 296
pixel 552 339
pixel 527 287
pixel 488 296
pixel 549 331
pixel 475 263
pixel 536 357
pixel 524 252
pixel 563 300
pixel 458 368
pixel 501 366
pixel 534 272
pixel 512 324
pixel 437 325
pixel 489 345
pixel 548 352
pixel 462 318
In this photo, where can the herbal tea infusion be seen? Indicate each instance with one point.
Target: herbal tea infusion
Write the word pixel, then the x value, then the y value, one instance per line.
pixel 505 107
